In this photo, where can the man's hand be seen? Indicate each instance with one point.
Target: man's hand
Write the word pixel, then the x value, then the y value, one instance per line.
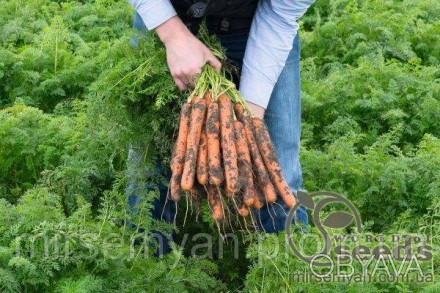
pixel 256 110
pixel 186 55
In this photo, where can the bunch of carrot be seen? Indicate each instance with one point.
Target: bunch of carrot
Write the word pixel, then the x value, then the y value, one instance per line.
pixel 223 150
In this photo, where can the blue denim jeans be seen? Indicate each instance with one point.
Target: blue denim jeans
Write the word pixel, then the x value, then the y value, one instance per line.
pixel 283 119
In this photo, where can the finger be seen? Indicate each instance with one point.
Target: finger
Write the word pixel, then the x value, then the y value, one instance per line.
pixel 187 80
pixel 214 62
pixel 180 84
pixel 192 83
pixel 196 73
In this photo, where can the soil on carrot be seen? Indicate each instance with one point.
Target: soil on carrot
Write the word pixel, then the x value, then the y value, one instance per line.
pixel 216 172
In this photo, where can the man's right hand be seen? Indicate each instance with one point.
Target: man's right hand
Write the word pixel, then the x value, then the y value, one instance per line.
pixel 186 55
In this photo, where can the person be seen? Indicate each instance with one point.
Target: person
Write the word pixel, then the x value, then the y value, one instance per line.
pixel 261 38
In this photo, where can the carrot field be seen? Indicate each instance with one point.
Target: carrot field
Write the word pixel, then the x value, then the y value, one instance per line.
pixel 76 96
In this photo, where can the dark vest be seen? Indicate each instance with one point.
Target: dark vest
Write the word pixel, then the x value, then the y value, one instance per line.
pixel 220 15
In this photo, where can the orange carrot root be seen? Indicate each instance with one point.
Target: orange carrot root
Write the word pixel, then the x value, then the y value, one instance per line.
pixel 175 193
pixel 178 157
pixel 202 161
pixel 214 201
pixel 239 111
pixel 259 167
pixel 215 170
pixel 258 199
pixel 228 143
pixel 246 181
pixel 208 98
pixel 192 146
pixel 243 211
pixel 270 159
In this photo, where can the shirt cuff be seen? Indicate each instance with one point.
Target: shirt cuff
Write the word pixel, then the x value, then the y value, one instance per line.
pixel 157 13
pixel 255 90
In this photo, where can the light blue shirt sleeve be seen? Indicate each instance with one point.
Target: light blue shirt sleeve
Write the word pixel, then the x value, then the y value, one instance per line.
pixel 154 12
pixel 271 38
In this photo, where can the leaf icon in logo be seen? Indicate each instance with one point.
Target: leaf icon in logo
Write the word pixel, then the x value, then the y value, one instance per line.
pixel 305 200
pixel 338 220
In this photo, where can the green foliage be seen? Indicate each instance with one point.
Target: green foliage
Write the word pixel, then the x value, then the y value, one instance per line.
pixel 382 181
pixel 371 106
pixel 75 96
pixel 348 30
pixel 71 154
pixel 42 250
pixel 65 224
pixel 51 51
pixel 380 95
pixel 31 142
pixel 393 71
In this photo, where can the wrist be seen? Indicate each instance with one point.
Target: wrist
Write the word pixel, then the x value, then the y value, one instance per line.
pixel 256 110
pixel 172 29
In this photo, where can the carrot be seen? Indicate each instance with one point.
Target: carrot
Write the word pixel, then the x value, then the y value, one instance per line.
pixel 180 146
pixel 258 199
pixel 202 172
pixel 179 152
pixel 208 98
pixel 228 143
pixel 269 156
pixel 175 187
pixel 244 164
pixel 198 110
pixel 215 170
pixel 243 211
pixel 259 167
pixel 239 111
pixel 215 203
